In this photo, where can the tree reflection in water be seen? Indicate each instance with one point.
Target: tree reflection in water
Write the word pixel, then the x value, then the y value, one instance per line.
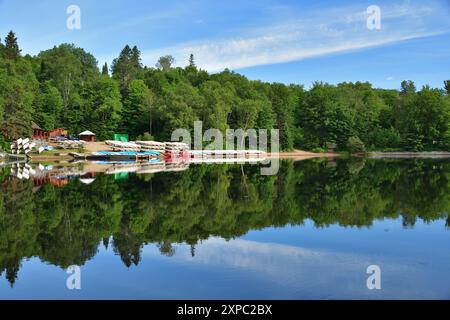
pixel 64 224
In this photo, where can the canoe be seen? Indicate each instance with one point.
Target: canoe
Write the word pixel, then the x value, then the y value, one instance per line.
pixel 124 155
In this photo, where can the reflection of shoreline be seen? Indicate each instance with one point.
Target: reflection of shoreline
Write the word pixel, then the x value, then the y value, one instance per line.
pixel 64 225
pixel 60 174
pixel 304 155
pixel 301 155
pixel 57 177
pixel 297 154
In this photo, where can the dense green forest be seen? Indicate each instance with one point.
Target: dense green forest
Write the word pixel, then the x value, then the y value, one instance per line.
pixel 225 201
pixel 63 87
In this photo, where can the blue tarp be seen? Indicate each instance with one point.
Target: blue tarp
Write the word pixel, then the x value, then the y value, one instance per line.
pixel 155 160
pixel 127 153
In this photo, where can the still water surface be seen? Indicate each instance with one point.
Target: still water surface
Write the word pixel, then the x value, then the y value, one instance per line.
pixel 226 232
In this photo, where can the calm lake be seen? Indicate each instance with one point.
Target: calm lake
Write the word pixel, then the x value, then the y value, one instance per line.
pixel 226 232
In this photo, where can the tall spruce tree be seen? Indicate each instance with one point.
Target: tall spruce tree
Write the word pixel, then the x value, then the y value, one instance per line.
pixel 126 67
pixel 105 69
pixel 447 86
pixel 12 50
pixel 192 61
pixel 135 58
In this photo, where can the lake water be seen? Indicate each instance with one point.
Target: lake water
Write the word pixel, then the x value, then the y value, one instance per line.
pixel 226 232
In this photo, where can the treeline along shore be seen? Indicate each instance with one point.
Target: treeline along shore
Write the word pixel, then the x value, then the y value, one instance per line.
pixel 63 87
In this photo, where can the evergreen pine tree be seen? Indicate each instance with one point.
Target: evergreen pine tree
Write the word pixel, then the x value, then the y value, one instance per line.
pixel 192 61
pixel 135 58
pixel 126 67
pixel 447 86
pixel 11 45
pixel 105 69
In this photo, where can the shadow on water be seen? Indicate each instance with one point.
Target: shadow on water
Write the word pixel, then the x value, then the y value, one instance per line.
pixel 64 223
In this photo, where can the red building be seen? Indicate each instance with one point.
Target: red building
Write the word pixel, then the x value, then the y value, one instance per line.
pixel 38 132
pixel 58 133
pixel 41 134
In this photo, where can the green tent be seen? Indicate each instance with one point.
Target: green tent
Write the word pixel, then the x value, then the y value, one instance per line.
pixel 121 137
pixel 121 176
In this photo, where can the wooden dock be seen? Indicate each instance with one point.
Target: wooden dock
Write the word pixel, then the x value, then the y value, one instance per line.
pixel 14 157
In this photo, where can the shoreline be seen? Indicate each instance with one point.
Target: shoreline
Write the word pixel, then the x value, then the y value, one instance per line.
pixel 302 155
pixel 295 154
pixel 407 154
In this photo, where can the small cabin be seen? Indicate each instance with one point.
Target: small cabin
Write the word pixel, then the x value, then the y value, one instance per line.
pixel 38 132
pixel 58 132
pixel 87 136
pixel 42 134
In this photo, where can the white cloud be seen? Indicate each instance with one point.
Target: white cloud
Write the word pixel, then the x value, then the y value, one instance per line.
pixel 315 272
pixel 390 78
pixel 314 34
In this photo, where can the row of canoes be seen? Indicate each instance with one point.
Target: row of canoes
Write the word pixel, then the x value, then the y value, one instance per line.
pixel 151 167
pixel 22 172
pixel 72 144
pixel 227 153
pixel 142 146
pixel 22 146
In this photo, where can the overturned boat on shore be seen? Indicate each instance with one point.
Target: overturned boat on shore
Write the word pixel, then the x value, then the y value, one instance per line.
pixel 139 151
pixel 119 155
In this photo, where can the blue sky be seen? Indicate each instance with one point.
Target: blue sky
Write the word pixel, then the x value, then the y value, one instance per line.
pixel 272 40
